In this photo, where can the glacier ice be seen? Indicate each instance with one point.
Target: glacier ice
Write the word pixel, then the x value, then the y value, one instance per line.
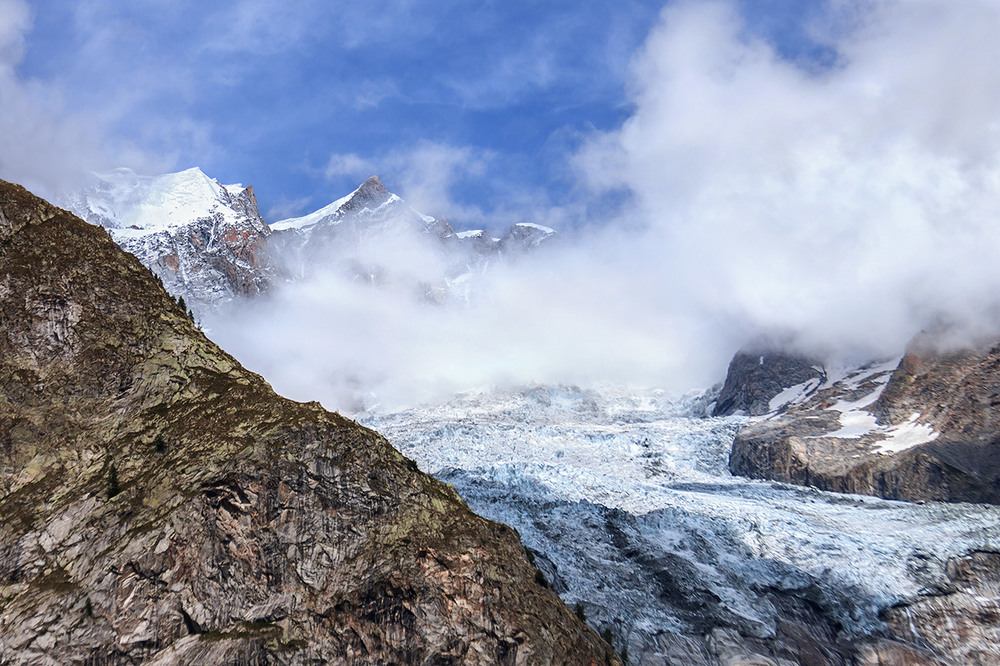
pixel 626 497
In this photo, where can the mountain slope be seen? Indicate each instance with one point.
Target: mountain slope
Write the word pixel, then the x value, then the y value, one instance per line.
pixel 160 504
pixel 925 429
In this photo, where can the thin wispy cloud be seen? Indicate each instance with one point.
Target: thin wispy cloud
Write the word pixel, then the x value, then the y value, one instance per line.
pixel 45 144
pixel 426 174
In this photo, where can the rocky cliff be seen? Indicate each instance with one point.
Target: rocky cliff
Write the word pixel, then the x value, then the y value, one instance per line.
pixel 925 429
pixel 160 504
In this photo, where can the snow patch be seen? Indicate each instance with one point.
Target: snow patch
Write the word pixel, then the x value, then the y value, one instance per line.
pixel 853 377
pixel 537 227
pixel 793 395
pixel 906 436
pixel 857 422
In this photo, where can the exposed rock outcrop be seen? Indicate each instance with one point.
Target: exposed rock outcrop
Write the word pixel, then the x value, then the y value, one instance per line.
pixel 160 504
pixel 758 374
pixel 961 617
pixel 927 429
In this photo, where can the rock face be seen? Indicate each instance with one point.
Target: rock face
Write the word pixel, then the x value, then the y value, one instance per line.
pixel 160 504
pixel 962 617
pixel 926 429
pixel 206 241
pixel 759 374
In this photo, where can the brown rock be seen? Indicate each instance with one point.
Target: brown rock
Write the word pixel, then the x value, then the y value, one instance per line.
pixel 954 394
pixel 160 504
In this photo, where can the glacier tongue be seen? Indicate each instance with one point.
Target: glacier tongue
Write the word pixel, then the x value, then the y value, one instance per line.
pixel 626 498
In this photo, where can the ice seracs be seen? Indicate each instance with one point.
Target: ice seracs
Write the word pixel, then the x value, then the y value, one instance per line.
pixel 624 497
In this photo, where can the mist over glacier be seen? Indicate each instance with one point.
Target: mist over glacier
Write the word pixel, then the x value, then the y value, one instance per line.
pixel 850 200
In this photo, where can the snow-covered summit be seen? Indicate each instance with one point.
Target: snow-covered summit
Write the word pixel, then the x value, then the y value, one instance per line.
pixel 370 195
pixel 329 211
pixel 369 204
pixel 367 235
pixel 207 241
pixel 204 239
pixel 123 199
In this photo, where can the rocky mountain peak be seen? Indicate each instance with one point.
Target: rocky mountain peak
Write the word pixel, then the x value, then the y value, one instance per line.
pixel 372 189
pixel 370 194
pixel 759 373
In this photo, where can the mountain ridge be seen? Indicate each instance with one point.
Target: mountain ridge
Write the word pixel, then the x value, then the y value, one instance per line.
pixel 920 428
pixel 160 504
pixel 209 243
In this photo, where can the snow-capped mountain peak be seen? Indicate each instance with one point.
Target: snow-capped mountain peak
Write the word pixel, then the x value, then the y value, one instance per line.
pixel 369 200
pixel 123 199
pixel 328 211
pixel 207 241
pixel 203 238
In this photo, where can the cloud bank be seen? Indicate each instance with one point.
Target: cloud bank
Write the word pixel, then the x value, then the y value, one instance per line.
pixel 850 200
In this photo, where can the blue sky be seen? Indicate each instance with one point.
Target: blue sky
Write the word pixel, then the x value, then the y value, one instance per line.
pixel 475 108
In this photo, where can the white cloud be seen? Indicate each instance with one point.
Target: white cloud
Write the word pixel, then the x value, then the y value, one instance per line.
pixel 15 21
pixel 287 208
pixel 428 172
pixel 350 165
pixel 852 203
pixel 44 145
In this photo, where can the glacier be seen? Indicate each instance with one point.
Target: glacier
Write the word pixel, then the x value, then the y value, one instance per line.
pixel 625 499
